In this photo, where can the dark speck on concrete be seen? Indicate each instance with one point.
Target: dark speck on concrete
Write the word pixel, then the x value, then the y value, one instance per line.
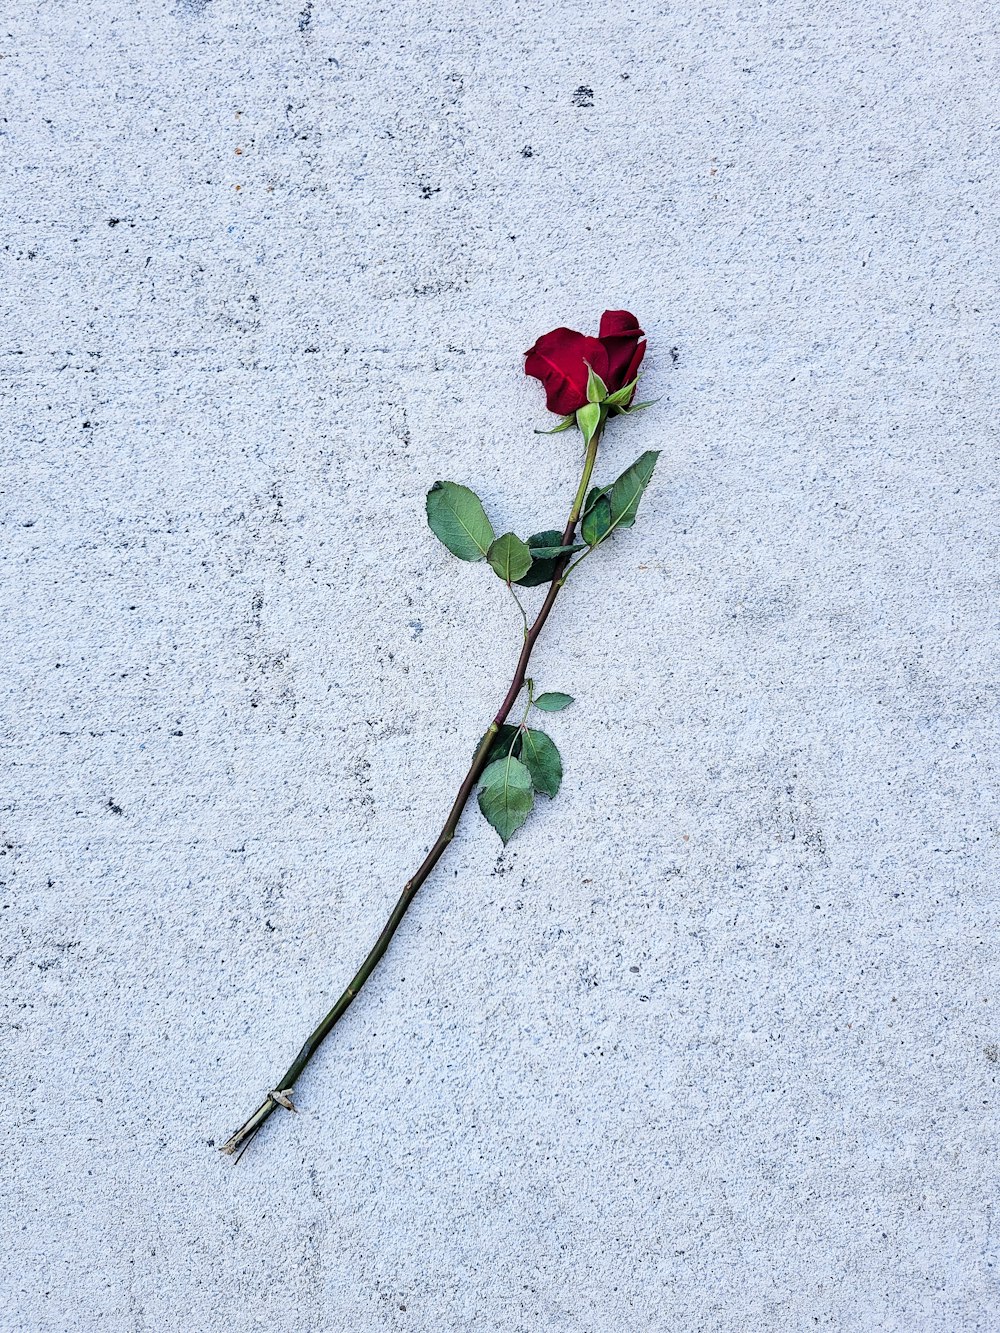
pixel 527 151
pixel 305 18
pixel 114 808
pixel 583 96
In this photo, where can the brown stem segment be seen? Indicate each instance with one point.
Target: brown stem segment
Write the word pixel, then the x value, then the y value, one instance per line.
pixel 281 1096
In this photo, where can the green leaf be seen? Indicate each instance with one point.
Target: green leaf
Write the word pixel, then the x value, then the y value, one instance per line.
pixel 553 552
pixel 621 396
pixel 538 540
pixel 597 390
pixel 509 558
pixel 563 425
pixel 506 741
pixel 543 568
pixel 588 418
pixel 458 519
pixel 553 702
pixel 627 490
pixel 506 796
pixel 597 521
pixel 541 758
pixel 594 494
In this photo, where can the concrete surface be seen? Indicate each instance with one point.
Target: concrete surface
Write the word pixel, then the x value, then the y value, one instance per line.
pixel 714 1044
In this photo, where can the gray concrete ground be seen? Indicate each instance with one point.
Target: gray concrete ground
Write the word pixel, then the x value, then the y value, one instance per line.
pixel 714 1044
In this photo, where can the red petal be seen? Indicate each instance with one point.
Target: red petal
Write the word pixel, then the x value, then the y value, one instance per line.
pixel 620 334
pixel 619 321
pixel 559 359
pixel 634 365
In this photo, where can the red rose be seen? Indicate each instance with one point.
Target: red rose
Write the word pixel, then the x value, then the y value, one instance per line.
pixel 560 359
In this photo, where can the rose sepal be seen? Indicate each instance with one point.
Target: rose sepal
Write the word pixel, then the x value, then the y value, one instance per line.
pixel 589 419
pixel 565 424
pixel 621 397
pixel 597 390
pixel 636 407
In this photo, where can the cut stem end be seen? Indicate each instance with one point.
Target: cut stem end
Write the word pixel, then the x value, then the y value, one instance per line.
pixel 237 1143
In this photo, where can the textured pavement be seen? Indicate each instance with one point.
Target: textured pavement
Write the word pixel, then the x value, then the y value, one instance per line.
pixel 713 1045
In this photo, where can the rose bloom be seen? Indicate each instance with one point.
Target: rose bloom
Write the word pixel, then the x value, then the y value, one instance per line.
pixel 560 359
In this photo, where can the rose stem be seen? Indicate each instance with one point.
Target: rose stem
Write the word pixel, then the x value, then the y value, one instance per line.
pixel 241 1139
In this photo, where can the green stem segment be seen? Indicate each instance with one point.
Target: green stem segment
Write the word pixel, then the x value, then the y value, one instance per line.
pixel 281 1096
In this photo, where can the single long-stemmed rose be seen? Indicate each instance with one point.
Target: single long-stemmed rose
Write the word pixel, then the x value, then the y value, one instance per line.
pixel 587 380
